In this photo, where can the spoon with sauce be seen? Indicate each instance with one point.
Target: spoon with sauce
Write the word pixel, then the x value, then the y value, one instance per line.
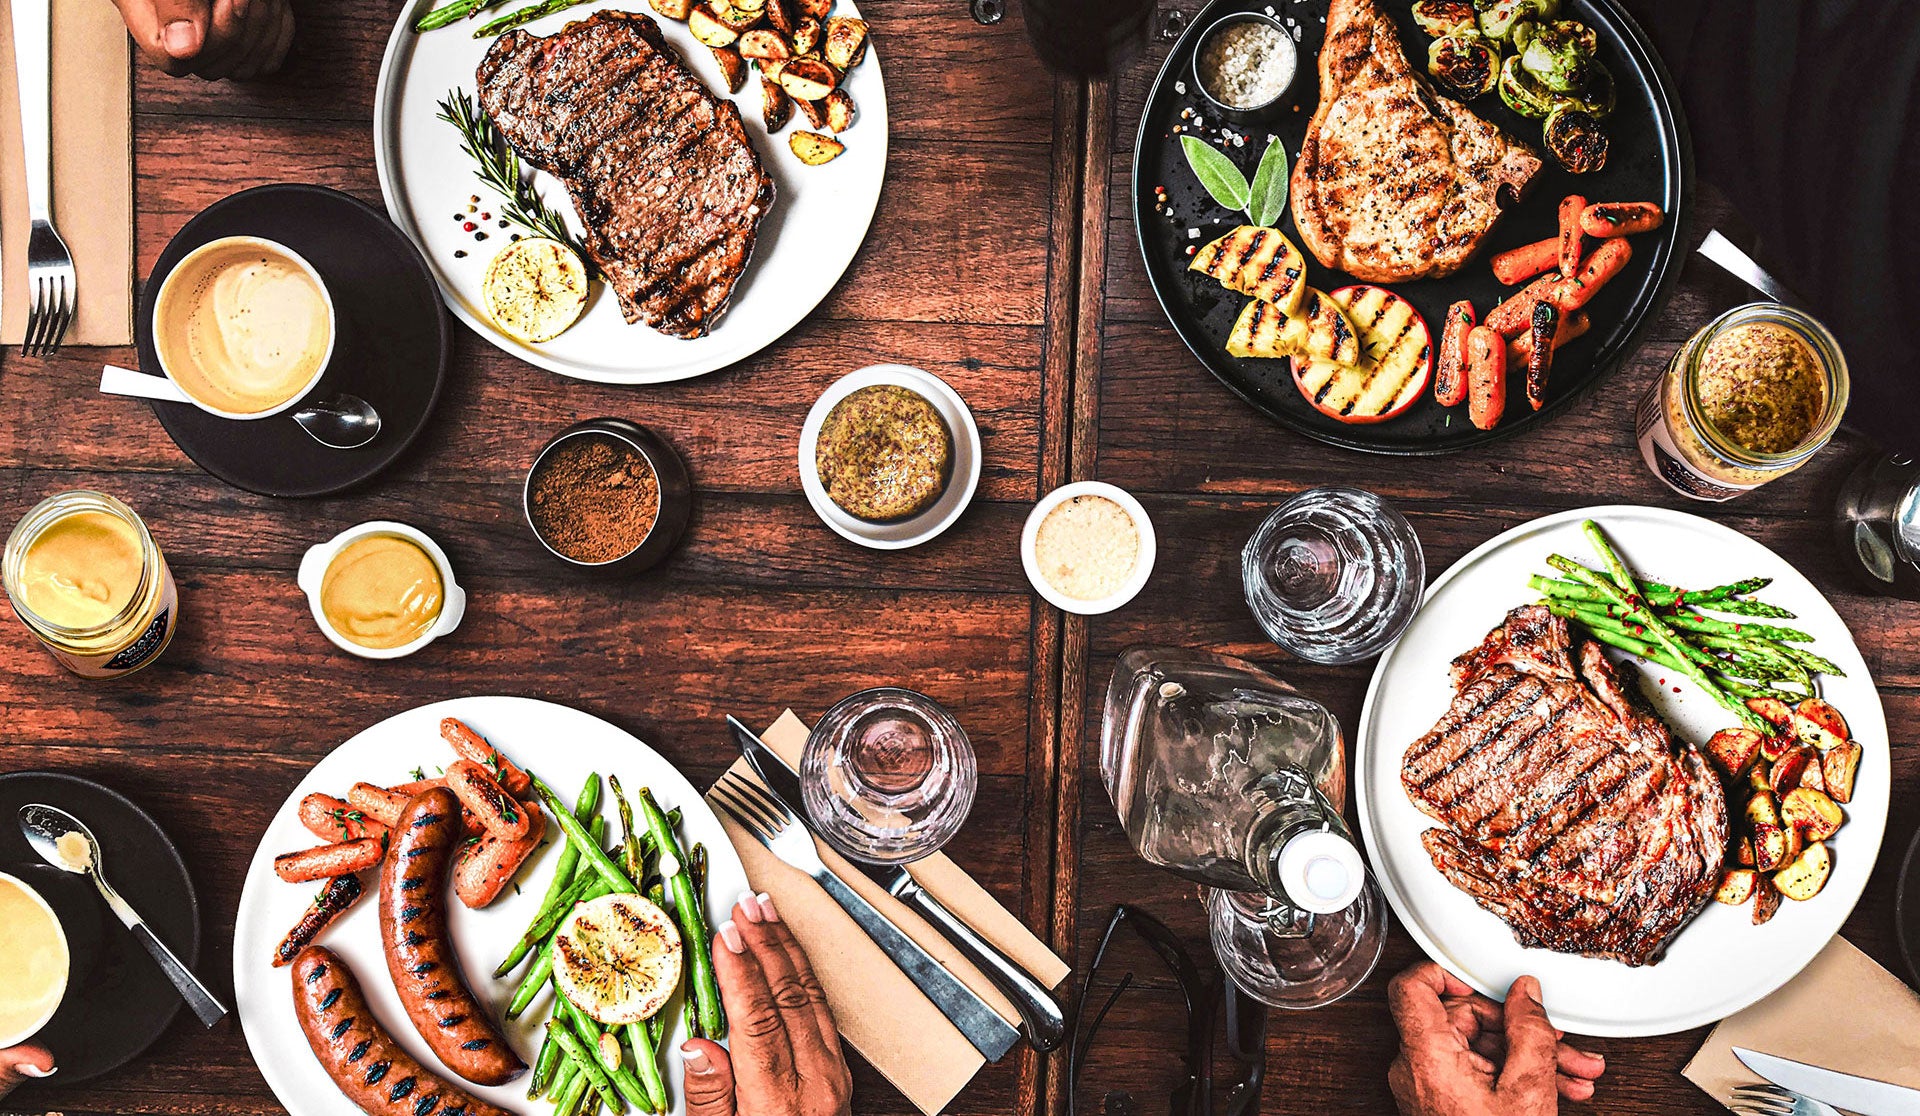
pixel 63 841
pixel 340 422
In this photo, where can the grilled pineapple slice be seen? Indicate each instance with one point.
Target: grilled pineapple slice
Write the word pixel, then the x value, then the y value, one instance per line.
pixel 617 958
pixel 1258 262
pixel 1320 330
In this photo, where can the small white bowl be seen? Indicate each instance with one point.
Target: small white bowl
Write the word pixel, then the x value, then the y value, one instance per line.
pixel 899 534
pixel 1142 563
pixel 313 570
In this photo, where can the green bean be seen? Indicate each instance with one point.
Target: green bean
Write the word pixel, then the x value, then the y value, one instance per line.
pixel 646 1059
pixel 589 848
pixel 538 974
pixel 572 1085
pixel 556 906
pixel 588 1060
pixel 544 1065
pixel 588 1031
pixel 709 1019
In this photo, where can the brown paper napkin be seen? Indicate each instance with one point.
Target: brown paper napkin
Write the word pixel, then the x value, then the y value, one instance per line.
pixel 92 172
pixel 879 1011
pixel 1843 1012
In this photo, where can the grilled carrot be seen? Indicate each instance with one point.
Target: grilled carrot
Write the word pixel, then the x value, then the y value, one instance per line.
pixel 474 747
pixel 1486 376
pixel 1517 265
pixel 1610 219
pixel 1521 348
pixel 328 861
pixel 1450 372
pixel 377 802
pixel 485 867
pixel 1546 325
pixel 479 791
pixel 331 819
pixel 1512 317
pixel 1571 207
pixel 1578 288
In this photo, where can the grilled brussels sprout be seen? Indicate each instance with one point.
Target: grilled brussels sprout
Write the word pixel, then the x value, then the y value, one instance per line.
pixel 1522 34
pixel 1464 65
pixel 1445 17
pixel 1598 97
pixel 1498 20
pixel 1560 55
pixel 1574 138
pixel 1521 92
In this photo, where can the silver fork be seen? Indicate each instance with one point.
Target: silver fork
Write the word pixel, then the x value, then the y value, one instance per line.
pixel 52 288
pixel 760 814
pixel 1772 1100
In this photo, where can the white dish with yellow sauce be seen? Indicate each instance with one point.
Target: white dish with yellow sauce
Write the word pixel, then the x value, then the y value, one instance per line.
pixel 1088 547
pixel 381 590
pixel 34 964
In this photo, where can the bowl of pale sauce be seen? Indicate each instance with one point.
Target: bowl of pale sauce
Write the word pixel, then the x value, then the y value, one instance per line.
pixel 381 590
pixel 34 962
pixel 1088 547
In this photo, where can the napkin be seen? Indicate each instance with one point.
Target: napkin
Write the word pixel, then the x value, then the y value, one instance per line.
pixel 878 1009
pixel 1843 1012
pixel 92 172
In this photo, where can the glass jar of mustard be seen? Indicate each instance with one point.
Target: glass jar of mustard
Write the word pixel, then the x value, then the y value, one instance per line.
pixel 1749 398
pixel 87 579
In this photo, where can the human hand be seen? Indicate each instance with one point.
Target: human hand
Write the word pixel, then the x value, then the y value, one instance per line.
pixel 786 1058
pixel 211 38
pixel 20 1064
pixel 1461 1054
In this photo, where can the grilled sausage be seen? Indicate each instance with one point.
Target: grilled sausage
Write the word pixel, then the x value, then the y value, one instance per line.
pixel 498 811
pixel 420 955
pixel 483 868
pixel 359 1055
pixel 327 861
pixel 474 747
pixel 408 791
pixel 341 893
pixel 332 819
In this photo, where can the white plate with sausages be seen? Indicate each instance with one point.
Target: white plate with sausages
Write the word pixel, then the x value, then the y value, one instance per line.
pixel 561 746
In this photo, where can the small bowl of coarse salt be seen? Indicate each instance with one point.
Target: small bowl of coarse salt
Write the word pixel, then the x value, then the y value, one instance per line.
pixel 1088 547
pixel 1246 66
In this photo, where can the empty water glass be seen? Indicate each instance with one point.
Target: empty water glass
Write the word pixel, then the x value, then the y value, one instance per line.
pixel 1334 575
pixel 888 776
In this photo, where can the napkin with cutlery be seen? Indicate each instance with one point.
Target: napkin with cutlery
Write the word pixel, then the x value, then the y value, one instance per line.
pixel 878 1009
pixel 1843 1012
pixel 92 171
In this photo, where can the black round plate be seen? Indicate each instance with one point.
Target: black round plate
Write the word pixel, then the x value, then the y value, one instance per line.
pixel 390 349
pixel 1651 159
pixel 117 1000
pixel 1906 910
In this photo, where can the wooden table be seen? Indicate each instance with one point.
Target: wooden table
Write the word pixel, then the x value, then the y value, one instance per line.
pixel 1003 260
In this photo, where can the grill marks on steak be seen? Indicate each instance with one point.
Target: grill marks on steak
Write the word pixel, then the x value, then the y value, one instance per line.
pixel 1394 181
pixel 1566 807
pixel 659 169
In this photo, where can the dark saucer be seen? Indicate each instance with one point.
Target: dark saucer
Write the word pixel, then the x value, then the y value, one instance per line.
pixel 117 1000
pixel 391 347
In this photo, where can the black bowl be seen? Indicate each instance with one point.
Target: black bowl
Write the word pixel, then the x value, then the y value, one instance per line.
pixel 676 495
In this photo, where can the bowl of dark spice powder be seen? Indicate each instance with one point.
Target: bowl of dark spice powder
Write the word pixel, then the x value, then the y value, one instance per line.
pixel 608 495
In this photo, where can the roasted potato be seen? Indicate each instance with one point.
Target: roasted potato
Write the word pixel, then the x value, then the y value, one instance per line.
pixel 708 29
pixel 673 9
pixel 1773 711
pixel 735 17
pixel 815 149
pixel 806 35
pixel 1773 747
pixel 1817 723
pixel 846 41
pixel 776 108
pixel 749 5
pixel 1736 886
pixel 1774 846
pixel 1766 900
pixel 1788 771
pixel 808 79
pixel 733 68
pixel 815 112
pixel 1807 874
pixel 764 44
pixel 1763 809
pixel 1812 813
pixel 1757 779
pixel 813 9
pixel 779 16
pixel 771 67
pixel 1743 852
pixel 1734 749
pixel 839 111
pixel 1838 765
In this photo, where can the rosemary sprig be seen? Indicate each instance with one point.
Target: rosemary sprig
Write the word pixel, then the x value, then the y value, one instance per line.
pixel 496 165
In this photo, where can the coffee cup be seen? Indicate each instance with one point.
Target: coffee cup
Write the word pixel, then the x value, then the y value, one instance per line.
pixel 35 966
pixel 244 327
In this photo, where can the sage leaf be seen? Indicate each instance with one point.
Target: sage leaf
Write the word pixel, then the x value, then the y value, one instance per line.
pixel 1217 173
pixel 1269 190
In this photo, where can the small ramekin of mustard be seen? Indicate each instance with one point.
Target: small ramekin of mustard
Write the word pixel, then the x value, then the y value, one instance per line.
pixel 889 456
pixel 381 590
pixel 90 583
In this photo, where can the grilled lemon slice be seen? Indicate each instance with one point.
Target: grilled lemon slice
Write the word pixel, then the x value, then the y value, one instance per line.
pixel 535 288
pixel 617 958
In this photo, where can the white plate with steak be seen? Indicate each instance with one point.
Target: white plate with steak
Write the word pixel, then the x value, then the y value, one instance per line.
pixel 713 239
pixel 1490 725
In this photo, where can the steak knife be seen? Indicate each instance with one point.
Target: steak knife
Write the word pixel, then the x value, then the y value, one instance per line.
pixel 1863 1095
pixel 1044 1020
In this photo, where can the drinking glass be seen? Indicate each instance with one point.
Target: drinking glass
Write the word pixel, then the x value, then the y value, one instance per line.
pixel 1877 524
pixel 1334 575
pixel 1290 957
pixel 888 776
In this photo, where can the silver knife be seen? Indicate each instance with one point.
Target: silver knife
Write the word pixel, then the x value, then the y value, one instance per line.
pixel 1742 267
pixel 1863 1095
pixel 982 1026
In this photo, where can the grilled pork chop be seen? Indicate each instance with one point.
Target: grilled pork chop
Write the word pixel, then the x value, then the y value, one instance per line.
pixel 1395 181
pixel 1567 809
pixel 659 169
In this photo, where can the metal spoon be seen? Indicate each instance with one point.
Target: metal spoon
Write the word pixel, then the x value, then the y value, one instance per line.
pixel 340 422
pixel 44 826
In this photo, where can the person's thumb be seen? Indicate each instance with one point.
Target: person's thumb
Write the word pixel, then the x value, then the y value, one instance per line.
pixel 23 1063
pixel 709 1078
pixel 165 30
pixel 1531 1044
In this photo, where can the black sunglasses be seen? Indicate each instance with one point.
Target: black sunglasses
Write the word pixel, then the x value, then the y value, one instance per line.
pixel 1246 1026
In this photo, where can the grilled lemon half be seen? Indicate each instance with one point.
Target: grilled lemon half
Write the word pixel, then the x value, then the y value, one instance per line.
pixel 617 958
pixel 535 289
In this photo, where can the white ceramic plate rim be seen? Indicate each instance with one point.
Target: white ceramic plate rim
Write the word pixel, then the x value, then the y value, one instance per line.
pixel 1584 995
pixel 569 743
pixel 1142 565
pixel 833 236
pixel 966 465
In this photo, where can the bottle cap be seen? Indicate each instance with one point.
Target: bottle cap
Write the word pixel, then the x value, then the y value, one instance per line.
pixel 1321 872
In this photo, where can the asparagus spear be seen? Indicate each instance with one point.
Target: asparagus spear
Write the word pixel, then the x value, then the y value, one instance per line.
pixel 544 1065
pixel 589 1066
pixel 525 15
pixel 569 883
pixel 595 856
pixel 647 1060
pixel 709 1019
pixel 588 1032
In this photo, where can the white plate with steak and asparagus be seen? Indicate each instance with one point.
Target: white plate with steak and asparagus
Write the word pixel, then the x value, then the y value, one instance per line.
pixel 1629 751
pixel 634 191
pixel 533 939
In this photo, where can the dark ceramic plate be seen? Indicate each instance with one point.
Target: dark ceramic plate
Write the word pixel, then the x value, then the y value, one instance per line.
pixel 1906 910
pixel 117 1000
pixel 1651 159
pixel 391 348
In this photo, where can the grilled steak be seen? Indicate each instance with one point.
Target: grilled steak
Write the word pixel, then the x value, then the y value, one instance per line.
pixel 1567 809
pixel 1395 181
pixel 660 170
